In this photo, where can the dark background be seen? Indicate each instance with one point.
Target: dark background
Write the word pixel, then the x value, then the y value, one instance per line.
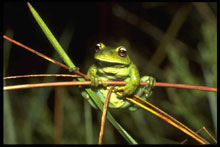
pixel 174 42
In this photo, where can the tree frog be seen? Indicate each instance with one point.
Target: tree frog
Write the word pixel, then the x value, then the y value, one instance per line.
pixel 115 64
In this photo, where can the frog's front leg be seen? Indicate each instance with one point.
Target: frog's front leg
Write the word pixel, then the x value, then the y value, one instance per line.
pixel 94 78
pixel 132 82
pixel 144 91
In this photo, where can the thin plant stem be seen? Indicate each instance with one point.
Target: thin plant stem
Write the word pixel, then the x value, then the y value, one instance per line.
pixel 43 56
pixel 203 128
pixel 166 117
pixel 41 75
pixel 210 135
pixel 104 112
pixel 71 83
pixel 58 114
pixel 184 141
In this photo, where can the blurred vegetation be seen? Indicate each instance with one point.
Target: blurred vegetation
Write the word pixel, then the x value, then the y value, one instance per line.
pixel 174 42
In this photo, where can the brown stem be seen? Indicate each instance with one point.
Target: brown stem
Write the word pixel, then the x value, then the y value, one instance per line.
pixel 41 75
pixel 58 115
pixel 72 83
pixel 166 117
pixel 43 56
pixel 104 112
pixel 186 86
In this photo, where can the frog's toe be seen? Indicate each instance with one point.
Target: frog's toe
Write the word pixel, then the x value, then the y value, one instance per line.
pixel 120 96
pixel 94 82
pixel 85 95
pixel 147 93
pixel 150 81
pixel 126 92
pixel 118 88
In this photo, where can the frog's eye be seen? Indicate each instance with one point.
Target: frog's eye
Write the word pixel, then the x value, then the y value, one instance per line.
pixel 98 47
pixel 122 52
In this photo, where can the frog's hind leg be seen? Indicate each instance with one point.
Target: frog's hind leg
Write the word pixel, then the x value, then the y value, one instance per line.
pixel 92 103
pixel 87 97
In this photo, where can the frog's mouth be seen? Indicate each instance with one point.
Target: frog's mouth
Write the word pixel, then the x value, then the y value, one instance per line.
pixel 109 63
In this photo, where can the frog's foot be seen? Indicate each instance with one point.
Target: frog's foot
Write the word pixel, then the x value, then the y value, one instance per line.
pixel 95 81
pixel 119 89
pixel 92 104
pixel 87 97
pixel 146 91
pixel 124 89
pixel 127 90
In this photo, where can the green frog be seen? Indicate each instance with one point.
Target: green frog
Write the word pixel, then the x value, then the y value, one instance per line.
pixel 115 64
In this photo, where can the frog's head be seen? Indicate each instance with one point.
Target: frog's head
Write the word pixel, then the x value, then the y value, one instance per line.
pixel 106 55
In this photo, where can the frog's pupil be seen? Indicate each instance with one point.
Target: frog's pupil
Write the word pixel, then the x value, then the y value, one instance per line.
pixel 97 48
pixel 122 52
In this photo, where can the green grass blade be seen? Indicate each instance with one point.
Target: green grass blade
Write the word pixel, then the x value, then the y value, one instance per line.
pixel 67 60
pixel 9 136
pixel 51 38
pixel 88 123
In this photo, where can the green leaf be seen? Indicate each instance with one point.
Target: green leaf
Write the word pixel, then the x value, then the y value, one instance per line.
pixel 51 38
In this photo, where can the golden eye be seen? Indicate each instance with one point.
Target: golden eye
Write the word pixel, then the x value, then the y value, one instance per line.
pixel 122 52
pixel 98 47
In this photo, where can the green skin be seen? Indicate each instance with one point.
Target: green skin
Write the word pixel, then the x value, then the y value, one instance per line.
pixel 110 65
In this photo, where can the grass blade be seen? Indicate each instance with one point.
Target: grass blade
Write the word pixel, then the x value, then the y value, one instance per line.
pixel 51 38
pixel 9 123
